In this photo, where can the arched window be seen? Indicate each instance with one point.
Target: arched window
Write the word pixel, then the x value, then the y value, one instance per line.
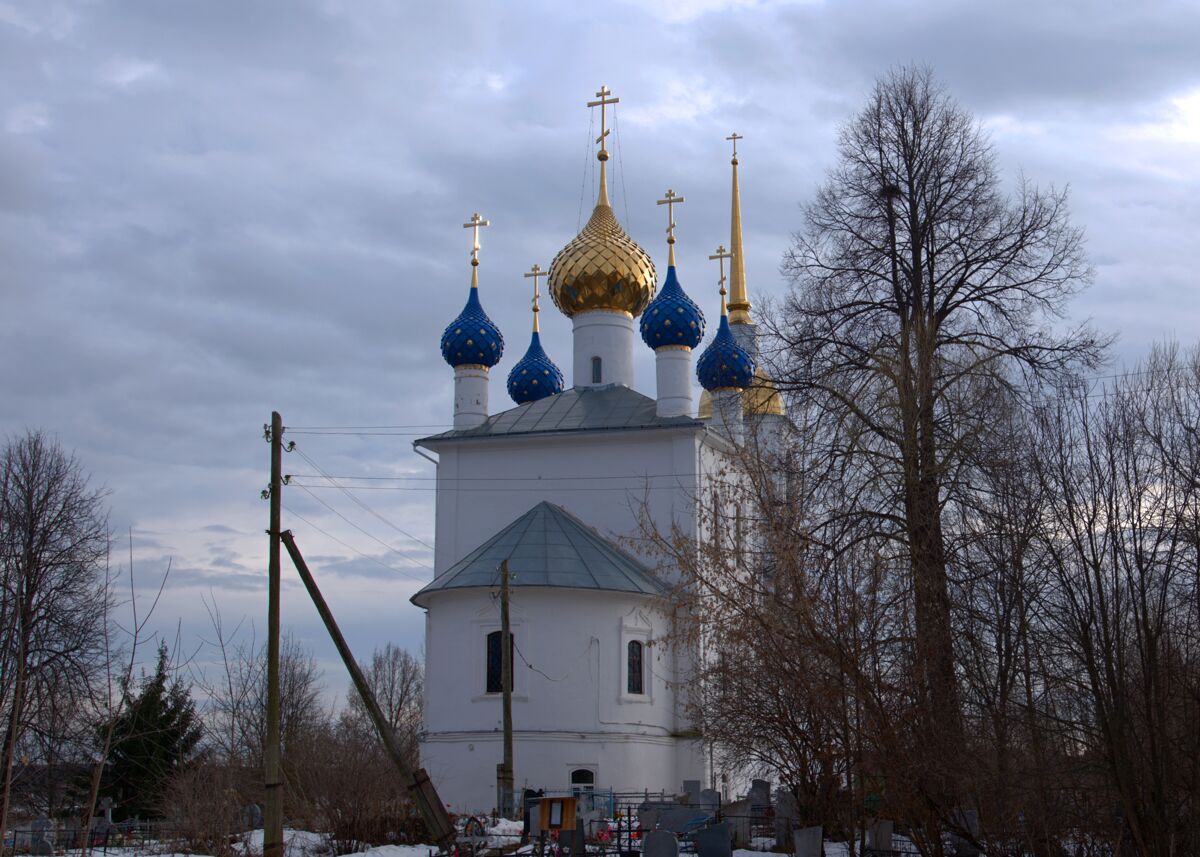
pixel 596 363
pixel 582 780
pixel 495 663
pixel 634 683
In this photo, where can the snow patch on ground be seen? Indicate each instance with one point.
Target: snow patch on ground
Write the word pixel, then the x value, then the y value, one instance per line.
pixel 296 843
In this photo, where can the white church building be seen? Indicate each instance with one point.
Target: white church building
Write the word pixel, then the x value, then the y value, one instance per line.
pixel 562 485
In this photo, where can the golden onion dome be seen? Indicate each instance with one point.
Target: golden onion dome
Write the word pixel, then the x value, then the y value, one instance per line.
pixel 602 268
pixel 759 399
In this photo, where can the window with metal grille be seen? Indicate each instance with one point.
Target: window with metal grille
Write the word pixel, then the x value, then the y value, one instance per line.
pixel 634 683
pixel 495 663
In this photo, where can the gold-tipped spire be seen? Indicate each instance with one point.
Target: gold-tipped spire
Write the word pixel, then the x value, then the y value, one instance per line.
pixel 739 301
pixel 473 224
pixel 721 255
pixel 602 156
pixel 670 202
pixel 535 272
pixel 601 268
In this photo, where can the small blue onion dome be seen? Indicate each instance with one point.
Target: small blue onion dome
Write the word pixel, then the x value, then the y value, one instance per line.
pixel 535 376
pixel 472 338
pixel 672 317
pixel 725 364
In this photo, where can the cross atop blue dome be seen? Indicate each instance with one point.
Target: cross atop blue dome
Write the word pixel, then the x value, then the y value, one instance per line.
pixel 725 364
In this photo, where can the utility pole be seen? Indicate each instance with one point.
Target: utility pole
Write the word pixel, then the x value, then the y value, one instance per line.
pixel 273 810
pixel 504 778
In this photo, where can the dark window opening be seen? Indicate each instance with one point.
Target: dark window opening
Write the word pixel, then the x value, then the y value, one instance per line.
pixel 634 683
pixel 596 370
pixel 495 663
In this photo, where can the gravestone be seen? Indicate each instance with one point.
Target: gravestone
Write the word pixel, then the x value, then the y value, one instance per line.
pixel 710 800
pixel 692 789
pixel 738 813
pixel 879 835
pixel 252 816
pixel 760 792
pixel 660 843
pixel 533 819
pixel 807 841
pixel 38 843
pixel 968 820
pixel 786 816
pixel 716 840
pixel 648 814
pixel 681 819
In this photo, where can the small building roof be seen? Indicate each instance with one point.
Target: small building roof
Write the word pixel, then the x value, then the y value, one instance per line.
pixel 612 406
pixel 548 546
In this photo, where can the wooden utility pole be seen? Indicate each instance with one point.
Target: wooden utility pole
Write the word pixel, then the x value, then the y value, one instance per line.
pixel 421 789
pixel 273 802
pixel 504 778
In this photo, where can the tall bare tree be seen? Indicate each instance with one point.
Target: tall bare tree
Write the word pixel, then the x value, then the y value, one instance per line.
pixel 918 287
pixel 53 546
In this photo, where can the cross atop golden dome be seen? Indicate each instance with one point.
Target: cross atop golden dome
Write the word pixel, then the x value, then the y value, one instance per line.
pixel 602 268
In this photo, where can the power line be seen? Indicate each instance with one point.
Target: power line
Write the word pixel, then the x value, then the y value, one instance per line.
pixel 351 547
pixel 360 503
pixel 492 478
pixel 306 490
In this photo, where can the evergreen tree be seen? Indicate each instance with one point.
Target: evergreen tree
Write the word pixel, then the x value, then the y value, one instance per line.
pixel 156 734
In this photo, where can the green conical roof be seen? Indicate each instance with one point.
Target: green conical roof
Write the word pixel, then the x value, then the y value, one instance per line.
pixel 548 546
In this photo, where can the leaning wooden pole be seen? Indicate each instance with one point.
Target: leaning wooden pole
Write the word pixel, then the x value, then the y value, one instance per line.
pixel 272 779
pixel 419 786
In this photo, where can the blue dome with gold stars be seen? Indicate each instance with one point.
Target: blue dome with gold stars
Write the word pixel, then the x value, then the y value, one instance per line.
pixel 472 339
pixel 672 317
pixel 535 376
pixel 725 364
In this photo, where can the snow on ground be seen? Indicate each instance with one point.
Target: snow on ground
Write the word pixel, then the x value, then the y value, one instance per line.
pixel 401 851
pixel 296 843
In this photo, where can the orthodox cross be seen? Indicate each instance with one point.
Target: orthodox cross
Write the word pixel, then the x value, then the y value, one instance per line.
pixel 535 272
pixel 670 202
pixel 603 102
pixel 734 137
pixel 474 223
pixel 721 255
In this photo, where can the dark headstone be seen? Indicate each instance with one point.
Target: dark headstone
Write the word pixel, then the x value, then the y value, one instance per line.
pixel 692 789
pixel 38 844
pixel 879 835
pixel 710 800
pixel 716 840
pixel 252 816
pixel 807 841
pixel 660 843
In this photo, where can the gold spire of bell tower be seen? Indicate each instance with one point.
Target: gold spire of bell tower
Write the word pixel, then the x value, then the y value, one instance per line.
pixel 739 301
pixel 602 156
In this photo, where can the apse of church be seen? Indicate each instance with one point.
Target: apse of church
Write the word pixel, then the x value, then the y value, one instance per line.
pixel 559 486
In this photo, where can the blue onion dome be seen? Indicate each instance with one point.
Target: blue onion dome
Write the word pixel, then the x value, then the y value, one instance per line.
pixel 535 376
pixel 725 364
pixel 472 339
pixel 672 317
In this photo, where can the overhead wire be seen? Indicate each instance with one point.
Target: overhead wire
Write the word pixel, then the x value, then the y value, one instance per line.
pixel 348 546
pixel 359 502
pixel 369 535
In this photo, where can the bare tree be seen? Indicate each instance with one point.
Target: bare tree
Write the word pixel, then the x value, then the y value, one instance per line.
pixel 918 289
pixel 397 679
pixel 53 546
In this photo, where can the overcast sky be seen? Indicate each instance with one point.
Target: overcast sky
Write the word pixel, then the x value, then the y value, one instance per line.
pixel 209 210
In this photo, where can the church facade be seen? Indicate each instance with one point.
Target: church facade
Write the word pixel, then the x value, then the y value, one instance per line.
pixel 564 486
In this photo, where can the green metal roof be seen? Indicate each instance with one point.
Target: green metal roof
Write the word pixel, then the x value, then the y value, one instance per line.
pixel 612 406
pixel 548 546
